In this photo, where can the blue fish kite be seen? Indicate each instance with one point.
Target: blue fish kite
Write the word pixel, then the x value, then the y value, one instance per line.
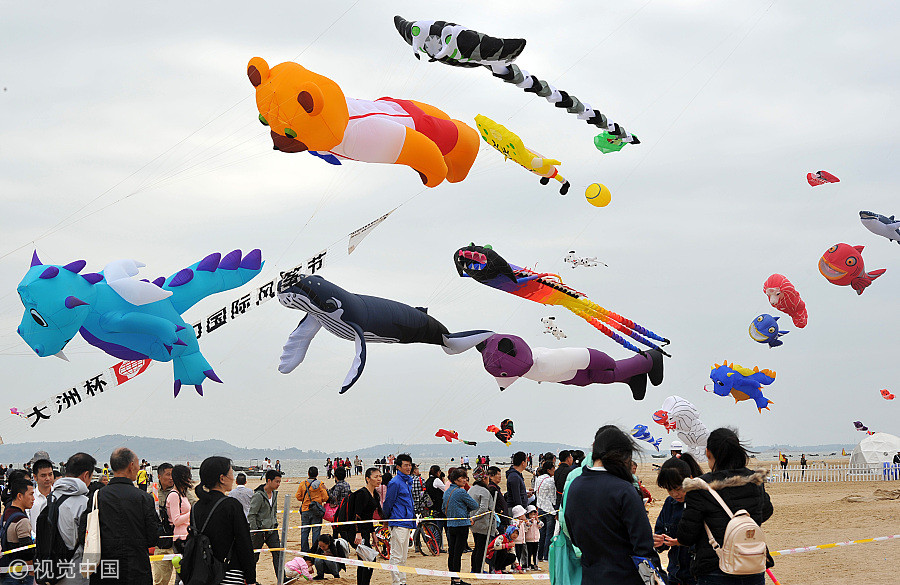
pixel 128 318
pixel 362 319
pixel 764 329
pixel 642 433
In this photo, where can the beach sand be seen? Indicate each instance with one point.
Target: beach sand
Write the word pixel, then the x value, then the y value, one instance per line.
pixel 805 514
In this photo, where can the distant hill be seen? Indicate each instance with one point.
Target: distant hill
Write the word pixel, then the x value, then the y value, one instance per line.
pixel 156 449
pixel 150 448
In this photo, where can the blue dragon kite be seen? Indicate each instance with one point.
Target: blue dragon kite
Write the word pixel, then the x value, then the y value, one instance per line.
pixel 742 383
pixel 128 318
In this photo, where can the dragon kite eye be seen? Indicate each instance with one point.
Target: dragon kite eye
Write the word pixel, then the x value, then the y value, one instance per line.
pixel 448 38
pixel 771 330
pixel 263 120
pixel 415 31
pixel 37 318
pixel 832 249
pixel 330 305
pixel 759 319
pixel 503 374
pixel 290 133
pixel 720 383
pixel 851 261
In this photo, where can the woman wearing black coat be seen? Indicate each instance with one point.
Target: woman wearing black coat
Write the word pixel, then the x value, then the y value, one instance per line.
pixel 228 530
pixel 605 516
pixel 362 505
pixel 741 488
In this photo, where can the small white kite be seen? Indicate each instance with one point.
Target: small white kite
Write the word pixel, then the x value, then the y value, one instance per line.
pixel 576 261
pixel 551 327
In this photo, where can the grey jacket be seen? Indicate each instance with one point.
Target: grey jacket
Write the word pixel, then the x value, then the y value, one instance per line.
pixel 70 513
pixel 482 496
pixel 262 514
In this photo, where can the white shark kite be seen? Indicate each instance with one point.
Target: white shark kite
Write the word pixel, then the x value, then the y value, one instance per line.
pixel 880 225
pixel 360 318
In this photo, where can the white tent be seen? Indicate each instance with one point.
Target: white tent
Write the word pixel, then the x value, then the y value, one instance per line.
pixel 874 450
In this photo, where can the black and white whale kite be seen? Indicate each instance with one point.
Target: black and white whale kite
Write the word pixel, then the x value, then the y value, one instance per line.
pixel 360 318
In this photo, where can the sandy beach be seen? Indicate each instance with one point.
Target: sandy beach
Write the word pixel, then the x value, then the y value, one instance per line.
pixel 805 514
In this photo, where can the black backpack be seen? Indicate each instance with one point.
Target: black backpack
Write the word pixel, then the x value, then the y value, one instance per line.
pixel 198 565
pixel 50 548
pixel 342 514
pixel 6 559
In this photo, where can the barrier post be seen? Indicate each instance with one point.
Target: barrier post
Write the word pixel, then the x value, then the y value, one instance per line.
pixel 285 519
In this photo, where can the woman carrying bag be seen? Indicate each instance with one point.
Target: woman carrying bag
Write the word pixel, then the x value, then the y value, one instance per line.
pixel 739 489
pixel 457 506
pixel 222 520
pixel 363 504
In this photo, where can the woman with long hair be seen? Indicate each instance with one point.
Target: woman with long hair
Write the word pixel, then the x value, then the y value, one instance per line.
pixel 225 524
pixel 605 516
pixel 740 488
pixel 178 507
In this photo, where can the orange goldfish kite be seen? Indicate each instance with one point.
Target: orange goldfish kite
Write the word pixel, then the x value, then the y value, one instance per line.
pixel 308 111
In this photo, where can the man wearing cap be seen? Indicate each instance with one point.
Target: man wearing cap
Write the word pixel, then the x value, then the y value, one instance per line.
pixel 263 509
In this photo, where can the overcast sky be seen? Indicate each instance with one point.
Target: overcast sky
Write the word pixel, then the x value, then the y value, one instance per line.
pixel 733 102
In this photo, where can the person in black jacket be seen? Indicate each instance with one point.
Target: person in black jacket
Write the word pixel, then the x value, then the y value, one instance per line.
pixel 362 505
pixel 128 525
pixel 671 478
pixel 501 507
pixel 228 529
pixel 605 515
pixel 516 494
pixel 741 488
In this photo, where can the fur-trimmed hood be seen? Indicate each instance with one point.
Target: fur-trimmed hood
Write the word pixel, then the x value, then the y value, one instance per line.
pixel 718 480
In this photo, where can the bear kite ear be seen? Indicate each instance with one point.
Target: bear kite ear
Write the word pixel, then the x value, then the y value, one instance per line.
pixel 257 71
pixel 311 98
pixel 507 346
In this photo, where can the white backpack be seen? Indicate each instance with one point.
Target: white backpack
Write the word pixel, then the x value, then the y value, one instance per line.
pixel 743 550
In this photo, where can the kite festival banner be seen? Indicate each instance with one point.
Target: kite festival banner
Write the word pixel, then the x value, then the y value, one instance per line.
pixel 123 371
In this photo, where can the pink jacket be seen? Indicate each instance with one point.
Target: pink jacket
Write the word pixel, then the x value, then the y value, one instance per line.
pixel 533 530
pixel 299 566
pixel 521 525
pixel 179 516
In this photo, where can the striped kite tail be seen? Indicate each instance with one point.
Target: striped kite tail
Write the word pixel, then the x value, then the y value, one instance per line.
pixel 624 329
pixel 627 322
pixel 608 332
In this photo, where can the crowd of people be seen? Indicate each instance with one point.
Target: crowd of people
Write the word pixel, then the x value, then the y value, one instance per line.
pixel 598 503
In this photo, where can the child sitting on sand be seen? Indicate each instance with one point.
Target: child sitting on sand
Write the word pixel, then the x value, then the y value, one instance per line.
pixel 296 568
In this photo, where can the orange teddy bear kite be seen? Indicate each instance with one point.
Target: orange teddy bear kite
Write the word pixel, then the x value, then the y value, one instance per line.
pixel 308 111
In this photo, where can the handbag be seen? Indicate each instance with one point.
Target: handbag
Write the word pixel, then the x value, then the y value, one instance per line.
pixel 330 511
pixel 565 557
pixel 91 556
pixel 366 553
pixel 314 506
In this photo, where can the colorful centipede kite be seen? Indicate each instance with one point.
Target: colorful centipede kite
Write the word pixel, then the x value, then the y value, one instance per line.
pixel 486 266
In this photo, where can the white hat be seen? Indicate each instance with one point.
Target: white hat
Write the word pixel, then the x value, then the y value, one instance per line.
pixel 530 509
pixel 676 445
pixel 517 511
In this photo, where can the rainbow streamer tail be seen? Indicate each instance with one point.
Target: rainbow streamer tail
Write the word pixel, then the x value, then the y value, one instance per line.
pixel 601 321
pixel 771 576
